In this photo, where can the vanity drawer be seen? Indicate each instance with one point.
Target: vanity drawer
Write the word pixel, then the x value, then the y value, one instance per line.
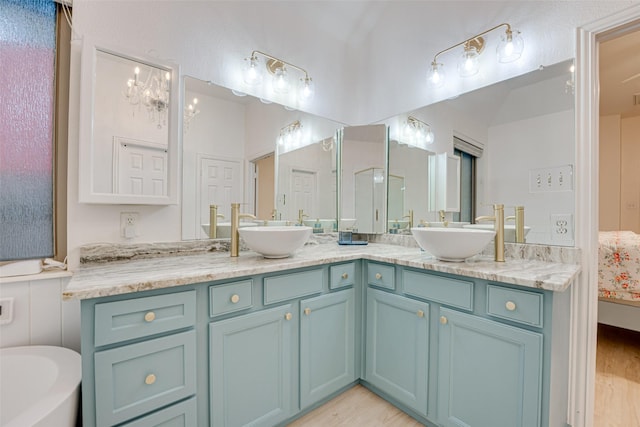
pixel 124 320
pixel 381 275
pixel 516 305
pixel 229 298
pixel 453 292
pixel 342 275
pixel 289 286
pixel 138 378
pixel 182 414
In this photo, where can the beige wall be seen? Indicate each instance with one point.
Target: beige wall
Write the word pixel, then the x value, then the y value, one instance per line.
pixel 619 173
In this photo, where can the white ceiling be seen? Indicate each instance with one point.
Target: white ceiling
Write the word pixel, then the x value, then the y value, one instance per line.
pixel 620 75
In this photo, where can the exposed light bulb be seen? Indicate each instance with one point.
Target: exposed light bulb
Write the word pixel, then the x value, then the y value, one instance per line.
pixel 469 64
pixel 280 81
pixel 436 75
pixel 307 89
pixel 429 137
pixel 252 75
pixel 510 47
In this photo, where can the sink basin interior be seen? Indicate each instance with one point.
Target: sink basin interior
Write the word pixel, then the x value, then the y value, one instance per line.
pixel 275 241
pixel 452 244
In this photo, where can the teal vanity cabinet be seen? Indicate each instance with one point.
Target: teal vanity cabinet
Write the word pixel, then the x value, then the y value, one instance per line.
pixel 139 360
pixel 251 368
pixel 460 352
pixel 490 374
pixel 397 348
pixel 267 365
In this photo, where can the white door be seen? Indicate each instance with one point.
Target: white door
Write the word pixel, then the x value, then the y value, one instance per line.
pixel 220 184
pixel 303 193
pixel 140 167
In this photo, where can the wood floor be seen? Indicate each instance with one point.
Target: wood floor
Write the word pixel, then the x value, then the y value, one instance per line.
pixel 617 378
pixel 356 407
pixel 617 392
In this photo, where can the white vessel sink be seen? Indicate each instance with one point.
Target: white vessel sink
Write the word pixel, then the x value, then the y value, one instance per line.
pixel 274 241
pixel 509 230
pixel 224 228
pixel 452 244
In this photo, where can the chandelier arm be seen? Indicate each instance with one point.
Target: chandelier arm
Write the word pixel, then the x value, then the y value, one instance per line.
pixel 469 39
pixel 253 54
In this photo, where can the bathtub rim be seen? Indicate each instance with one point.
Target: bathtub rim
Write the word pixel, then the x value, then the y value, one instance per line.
pixel 67 382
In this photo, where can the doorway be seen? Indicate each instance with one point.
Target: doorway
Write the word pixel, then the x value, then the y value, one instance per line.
pixel 584 293
pixel 264 186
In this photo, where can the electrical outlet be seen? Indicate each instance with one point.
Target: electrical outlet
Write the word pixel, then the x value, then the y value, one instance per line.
pixel 6 310
pixel 562 228
pixel 129 224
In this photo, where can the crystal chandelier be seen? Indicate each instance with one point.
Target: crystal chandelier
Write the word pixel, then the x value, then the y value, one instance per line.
pixel 152 93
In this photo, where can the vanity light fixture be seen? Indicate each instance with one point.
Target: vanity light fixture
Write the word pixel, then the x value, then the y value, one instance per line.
pixel 252 75
pixel 417 133
pixel 509 49
pixel 190 111
pixel 152 92
pixel 291 136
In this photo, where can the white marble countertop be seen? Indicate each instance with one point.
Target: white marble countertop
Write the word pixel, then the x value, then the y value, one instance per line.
pixel 120 277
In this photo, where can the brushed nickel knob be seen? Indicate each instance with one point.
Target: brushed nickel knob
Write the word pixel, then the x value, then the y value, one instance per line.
pixel 307 311
pixel 420 313
pixel 150 316
pixel 443 320
pixel 345 275
pixel 235 298
pixel 150 379
pixel 378 276
pixel 510 305
pixel 288 316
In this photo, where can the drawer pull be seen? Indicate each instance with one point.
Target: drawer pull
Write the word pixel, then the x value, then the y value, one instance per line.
pixel 443 320
pixel 378 276
pixel 235 298
pixel 307 311
pixel 288 316
pixel 510 305
pixel 420 313
pixel 345 275
pixel 150 317
pixel 150 379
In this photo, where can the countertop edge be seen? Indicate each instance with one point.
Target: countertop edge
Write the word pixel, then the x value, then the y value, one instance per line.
pixel 527 273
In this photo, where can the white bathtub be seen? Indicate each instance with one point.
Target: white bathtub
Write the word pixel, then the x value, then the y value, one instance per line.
pixel 39 386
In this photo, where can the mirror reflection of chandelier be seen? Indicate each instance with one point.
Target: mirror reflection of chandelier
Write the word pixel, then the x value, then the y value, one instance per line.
pixel 152 93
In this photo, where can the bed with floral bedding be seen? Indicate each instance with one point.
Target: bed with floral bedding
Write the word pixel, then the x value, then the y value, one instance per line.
pixel 619 279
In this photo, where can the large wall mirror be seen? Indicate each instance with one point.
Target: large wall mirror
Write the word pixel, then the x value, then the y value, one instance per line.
pixel 225 135
pixel 363 179
pixel 128 128
pixel 521 136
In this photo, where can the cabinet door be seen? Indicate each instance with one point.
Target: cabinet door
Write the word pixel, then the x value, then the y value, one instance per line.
pixel 327 345
pixel 397 347
pixel 490 374
pixel 250 368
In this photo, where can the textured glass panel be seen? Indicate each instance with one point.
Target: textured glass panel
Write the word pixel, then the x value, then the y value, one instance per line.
pixel 27 60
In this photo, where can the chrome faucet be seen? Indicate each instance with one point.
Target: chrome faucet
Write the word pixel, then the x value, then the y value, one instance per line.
pixel 235 224
pixel 410 216
pixel 301 216
pixel 519 218
pixel 498 225
pixel 443 218
pixel 213 221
